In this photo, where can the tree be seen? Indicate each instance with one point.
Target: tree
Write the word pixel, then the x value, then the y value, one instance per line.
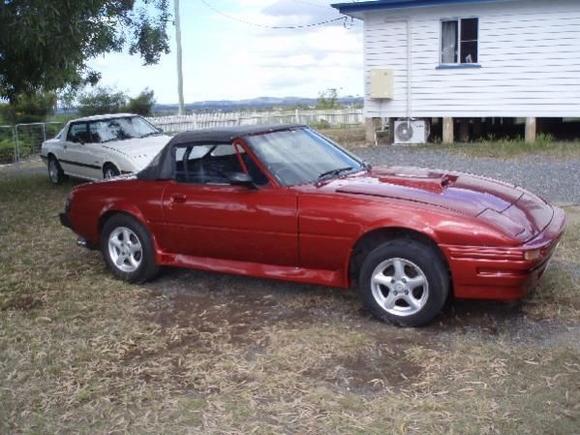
pixel 142 104
pixel 101 101
pixel 328 100
pixel 45 45
pixel 34 107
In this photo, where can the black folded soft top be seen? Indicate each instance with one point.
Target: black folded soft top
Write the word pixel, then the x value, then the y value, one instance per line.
pixel 162 166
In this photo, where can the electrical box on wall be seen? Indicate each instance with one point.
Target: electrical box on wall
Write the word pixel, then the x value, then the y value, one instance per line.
pixel 382 83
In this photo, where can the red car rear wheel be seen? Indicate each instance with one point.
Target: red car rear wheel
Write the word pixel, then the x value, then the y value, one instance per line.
pixel 128 249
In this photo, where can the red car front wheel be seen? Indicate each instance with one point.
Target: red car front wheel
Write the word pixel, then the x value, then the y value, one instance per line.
pixel 404 281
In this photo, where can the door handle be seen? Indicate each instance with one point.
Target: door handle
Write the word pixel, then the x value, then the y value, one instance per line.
pixel 178 198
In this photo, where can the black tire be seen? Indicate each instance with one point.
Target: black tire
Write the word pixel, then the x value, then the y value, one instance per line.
pixel 413 306
pixel 110 171
pixel 147 268
pixel 55 173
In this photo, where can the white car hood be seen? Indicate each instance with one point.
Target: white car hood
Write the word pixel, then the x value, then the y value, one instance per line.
pixel 139 151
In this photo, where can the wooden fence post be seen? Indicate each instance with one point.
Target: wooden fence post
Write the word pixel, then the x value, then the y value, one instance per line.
pixel 531 129
pixel 448 131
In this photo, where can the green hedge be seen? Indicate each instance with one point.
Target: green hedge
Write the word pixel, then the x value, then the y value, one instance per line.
pixel 6 151
pixel 26 149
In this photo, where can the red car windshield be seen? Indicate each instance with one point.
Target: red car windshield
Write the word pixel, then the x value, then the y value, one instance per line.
pixel 301 156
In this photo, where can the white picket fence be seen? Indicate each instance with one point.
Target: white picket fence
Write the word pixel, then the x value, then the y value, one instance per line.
pixel 333 118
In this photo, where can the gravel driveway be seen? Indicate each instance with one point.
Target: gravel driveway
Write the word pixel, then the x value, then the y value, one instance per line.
pixel 555 179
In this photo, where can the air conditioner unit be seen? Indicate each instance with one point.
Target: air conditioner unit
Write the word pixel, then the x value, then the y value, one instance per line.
pixel 410 132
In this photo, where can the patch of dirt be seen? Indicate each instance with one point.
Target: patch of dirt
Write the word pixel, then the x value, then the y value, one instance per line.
pixel 238 314
pixel 203 311
pixel 22 303
pixel 382 368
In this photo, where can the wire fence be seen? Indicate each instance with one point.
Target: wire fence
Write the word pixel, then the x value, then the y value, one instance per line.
pixel 22 141
pixel 342 118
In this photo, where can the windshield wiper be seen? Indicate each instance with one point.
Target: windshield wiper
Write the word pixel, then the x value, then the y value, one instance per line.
pixel 333 173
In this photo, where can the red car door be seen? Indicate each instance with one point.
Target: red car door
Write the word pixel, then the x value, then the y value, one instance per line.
pixel 216 220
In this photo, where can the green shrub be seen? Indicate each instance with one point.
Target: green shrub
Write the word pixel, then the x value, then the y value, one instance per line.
pixel 6 151
pixel 320 125
pixel 328 99
pixel 101 101
pixel 142 104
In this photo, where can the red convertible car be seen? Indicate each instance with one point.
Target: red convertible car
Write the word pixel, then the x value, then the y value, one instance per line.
pixel 287 203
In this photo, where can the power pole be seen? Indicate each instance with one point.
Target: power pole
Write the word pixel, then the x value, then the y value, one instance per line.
pixel 181 110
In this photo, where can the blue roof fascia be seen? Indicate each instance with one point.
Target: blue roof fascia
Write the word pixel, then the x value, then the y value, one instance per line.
pixel 346 8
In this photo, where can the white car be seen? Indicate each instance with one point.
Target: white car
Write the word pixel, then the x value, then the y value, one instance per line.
pixel 102 146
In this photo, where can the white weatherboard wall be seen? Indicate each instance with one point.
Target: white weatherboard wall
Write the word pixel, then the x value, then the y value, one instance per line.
pixel 529 52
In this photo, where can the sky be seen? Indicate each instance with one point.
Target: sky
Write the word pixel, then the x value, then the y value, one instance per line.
pixel 227 59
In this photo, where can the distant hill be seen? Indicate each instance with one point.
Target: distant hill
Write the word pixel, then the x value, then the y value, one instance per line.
pixel 261 103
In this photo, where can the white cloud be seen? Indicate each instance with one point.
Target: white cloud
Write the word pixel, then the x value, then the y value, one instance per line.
pixel 225 59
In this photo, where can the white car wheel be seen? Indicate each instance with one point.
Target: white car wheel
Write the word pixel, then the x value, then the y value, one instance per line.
pixel 110 171
pixel 55 172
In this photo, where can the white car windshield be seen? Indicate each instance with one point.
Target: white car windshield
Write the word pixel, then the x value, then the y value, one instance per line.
pixel 117 129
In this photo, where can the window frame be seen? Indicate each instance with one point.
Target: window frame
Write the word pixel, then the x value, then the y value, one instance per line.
pixel 238 147
pixel 458 64
pixel 72 124
pixel 188 148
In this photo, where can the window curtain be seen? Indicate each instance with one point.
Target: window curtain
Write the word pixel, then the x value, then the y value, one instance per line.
pixel 449 42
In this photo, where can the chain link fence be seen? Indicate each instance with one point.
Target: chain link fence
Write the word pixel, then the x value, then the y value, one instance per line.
pixel 7 144
pixel 23 141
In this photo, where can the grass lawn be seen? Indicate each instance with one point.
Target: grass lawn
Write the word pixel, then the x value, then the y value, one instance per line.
pixel 197 352
pixel 497 148
pixel 351 137
pixel 514 148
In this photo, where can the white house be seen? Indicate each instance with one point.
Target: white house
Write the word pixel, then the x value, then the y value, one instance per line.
pixel 471 59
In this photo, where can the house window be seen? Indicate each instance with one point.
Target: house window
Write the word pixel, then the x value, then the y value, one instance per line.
pixel 459 41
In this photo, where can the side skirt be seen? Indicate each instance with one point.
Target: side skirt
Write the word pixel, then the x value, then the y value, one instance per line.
pixel 330 278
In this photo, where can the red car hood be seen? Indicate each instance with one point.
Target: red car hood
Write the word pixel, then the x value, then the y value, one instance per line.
pixel 514 210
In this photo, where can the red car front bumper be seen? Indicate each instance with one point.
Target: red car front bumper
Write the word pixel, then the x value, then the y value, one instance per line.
pixel 503 273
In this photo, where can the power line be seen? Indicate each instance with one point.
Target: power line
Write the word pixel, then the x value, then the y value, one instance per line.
pixel 344 19
pixel 306 2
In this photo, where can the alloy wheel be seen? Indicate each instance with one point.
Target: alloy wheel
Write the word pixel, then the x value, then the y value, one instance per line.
pixel 125 249
pixel 400 287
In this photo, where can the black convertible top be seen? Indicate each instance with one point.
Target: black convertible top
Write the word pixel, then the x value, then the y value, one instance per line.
pixel 226 134
pixel 161 168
